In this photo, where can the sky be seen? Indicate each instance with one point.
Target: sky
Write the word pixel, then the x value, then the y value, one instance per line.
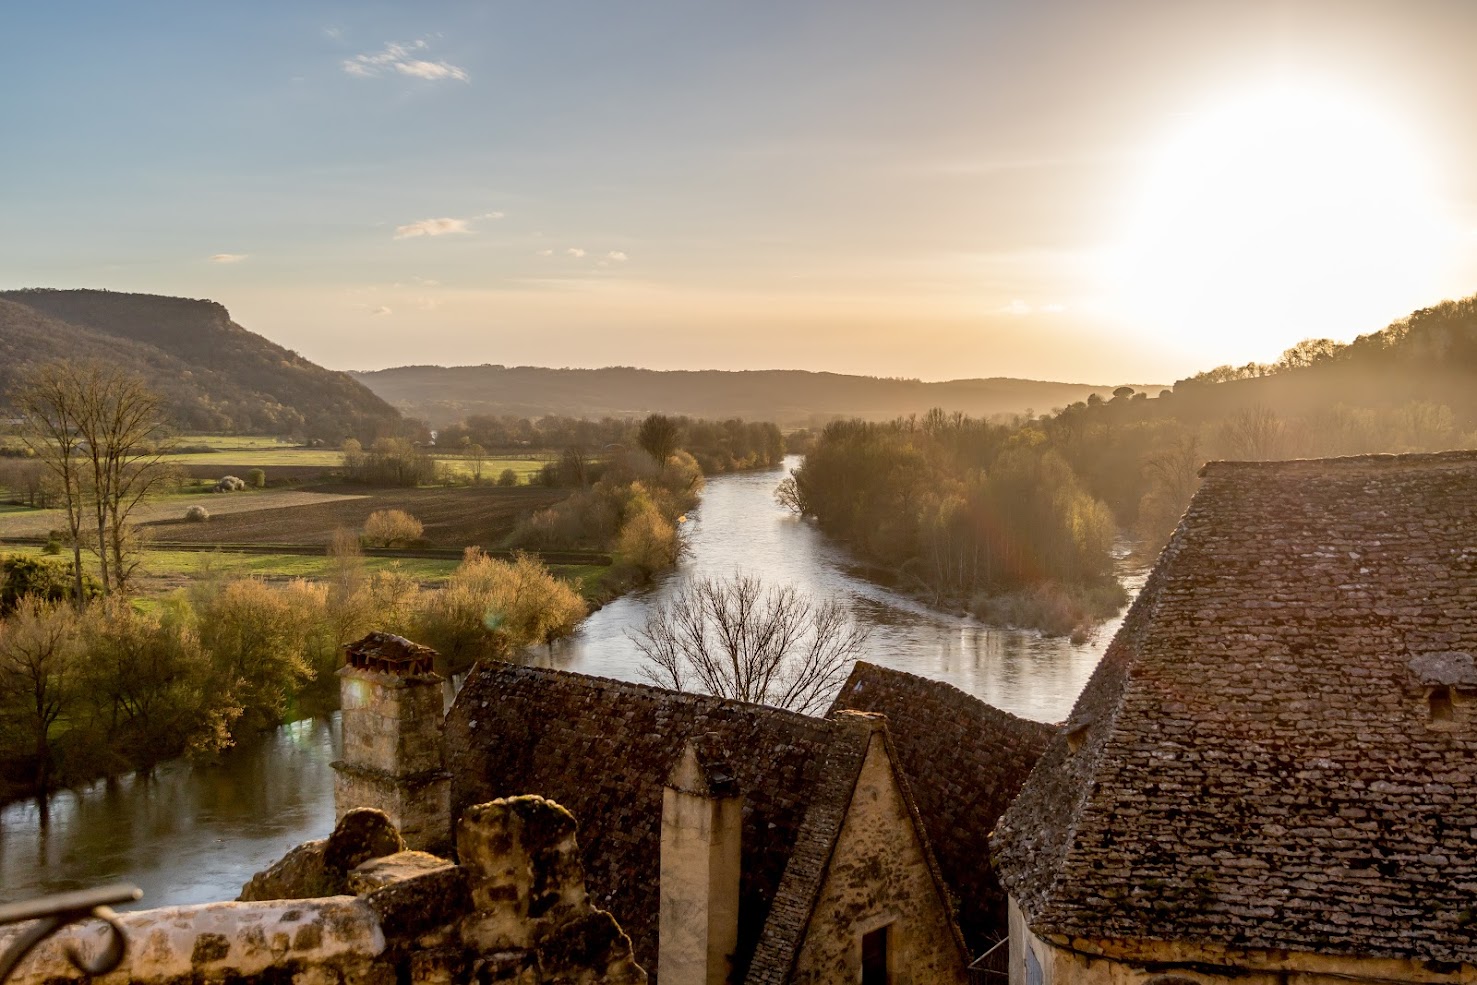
pixel 1127 191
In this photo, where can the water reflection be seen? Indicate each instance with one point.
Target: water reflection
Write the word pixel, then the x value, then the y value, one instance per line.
pixel 192 834
pixel 186 834
pixel 740 527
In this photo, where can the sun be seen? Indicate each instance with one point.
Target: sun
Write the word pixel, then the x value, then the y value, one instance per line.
pixel 1288 212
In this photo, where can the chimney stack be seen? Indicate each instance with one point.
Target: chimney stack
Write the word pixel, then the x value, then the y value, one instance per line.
pixel 392 727
pixel 702 820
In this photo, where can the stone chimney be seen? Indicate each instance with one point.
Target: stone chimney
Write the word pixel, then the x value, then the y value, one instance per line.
pixel 702 821
pixel 392 725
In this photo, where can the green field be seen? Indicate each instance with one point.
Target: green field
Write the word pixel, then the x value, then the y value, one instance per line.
pixel 262 457
pixel 164 564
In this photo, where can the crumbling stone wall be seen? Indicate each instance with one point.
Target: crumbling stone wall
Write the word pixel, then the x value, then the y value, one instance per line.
pixel 513 910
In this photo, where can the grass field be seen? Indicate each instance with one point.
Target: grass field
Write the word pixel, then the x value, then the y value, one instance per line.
pixel 25 522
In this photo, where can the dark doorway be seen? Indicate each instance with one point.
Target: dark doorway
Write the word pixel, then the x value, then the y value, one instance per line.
pixel 874 957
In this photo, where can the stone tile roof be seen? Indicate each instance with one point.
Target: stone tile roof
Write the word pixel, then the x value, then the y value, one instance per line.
pixel 965 761
pixel 604 749
pixel 1254 764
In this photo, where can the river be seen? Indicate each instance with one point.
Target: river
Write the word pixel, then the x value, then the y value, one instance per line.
pixel 192 834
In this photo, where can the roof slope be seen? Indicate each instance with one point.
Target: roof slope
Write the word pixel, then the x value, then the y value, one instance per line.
pixel 1253 764
pixel 604 749
pixel 965 761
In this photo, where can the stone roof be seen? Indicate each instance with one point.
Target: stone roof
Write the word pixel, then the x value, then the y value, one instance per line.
pixel 604 749
pixel 1255 762
pixel 965 761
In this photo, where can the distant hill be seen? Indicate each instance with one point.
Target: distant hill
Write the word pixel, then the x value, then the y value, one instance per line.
pixel 444 395
pixel 215 375
pixel 1430 357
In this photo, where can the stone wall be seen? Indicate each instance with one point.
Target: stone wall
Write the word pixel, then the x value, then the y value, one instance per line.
pixel 514 910
pixel 879 876
pixel 964 761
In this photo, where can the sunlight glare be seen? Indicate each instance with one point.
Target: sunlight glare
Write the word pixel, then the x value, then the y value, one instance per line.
pixel 1288 213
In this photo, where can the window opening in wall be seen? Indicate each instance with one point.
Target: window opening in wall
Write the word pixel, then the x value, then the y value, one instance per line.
pixel 875 956
pixel 1441 710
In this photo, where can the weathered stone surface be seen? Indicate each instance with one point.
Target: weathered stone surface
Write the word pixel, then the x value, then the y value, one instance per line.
pixel 332 940
pixel 377 873
pixel 416 924
pixel 965 761
pixel 321 868
pixel 1266 767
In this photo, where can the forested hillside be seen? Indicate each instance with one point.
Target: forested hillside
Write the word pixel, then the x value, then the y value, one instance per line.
pixel 1016 521
pixel 215 375
pixel 790 398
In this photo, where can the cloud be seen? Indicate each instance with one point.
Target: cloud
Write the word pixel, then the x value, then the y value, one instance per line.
pixel 229 257
pixel 404 59
pixel 432 227
pixel 381 311
pixel 543 253
pixel 1017 307
pixel 491 215
pixel 574 251
pixel 617 256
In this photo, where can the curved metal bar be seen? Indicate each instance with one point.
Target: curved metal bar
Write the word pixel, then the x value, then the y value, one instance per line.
pixel 112 955
pixel 23 944
pixel 52 913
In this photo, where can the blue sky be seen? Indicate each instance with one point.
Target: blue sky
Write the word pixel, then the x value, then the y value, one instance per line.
pixel 933 189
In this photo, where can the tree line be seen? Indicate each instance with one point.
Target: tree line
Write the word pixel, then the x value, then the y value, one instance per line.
pixel 111 686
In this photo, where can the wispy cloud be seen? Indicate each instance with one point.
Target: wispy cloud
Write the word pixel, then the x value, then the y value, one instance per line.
pixel 404 58
pixel 381 311
pixel 616 256
pixel 492 215
pixel 543 253
pixel 574 251
pixel 432 227
pixel 229 257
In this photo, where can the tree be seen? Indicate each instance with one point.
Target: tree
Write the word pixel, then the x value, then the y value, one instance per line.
pixel 477 456
pixel 386 528
pixel 102 431
pixel 658 436
pixel 39 662
pixel 735 638
pixel 51 413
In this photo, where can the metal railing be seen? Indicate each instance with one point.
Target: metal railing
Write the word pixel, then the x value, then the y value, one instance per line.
pixel 992 967
pixel 52 913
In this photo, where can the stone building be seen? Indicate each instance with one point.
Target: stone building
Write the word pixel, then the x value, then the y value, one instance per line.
pixel 965 761
pixel 1272 775
pixel 733 842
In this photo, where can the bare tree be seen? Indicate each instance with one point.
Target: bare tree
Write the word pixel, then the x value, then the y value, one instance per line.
pixel 103 434
pixel 735 638
pixel 51 411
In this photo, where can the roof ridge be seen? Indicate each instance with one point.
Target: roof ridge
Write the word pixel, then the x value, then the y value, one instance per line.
pixel 650 690
pixel 863 666
pixel 1392 459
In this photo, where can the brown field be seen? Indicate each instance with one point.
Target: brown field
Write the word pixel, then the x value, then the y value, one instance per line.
pixel 479 516
pixel 261 503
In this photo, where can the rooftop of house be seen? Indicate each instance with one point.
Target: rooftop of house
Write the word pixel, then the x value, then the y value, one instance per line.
pixel 604 749
pixel 965 761
pixel 1277 750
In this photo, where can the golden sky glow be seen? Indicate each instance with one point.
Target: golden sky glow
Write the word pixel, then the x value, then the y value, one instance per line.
pixel 1103 192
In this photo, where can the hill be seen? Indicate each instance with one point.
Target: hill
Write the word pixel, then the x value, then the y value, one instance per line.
pixel 790 398
pixel 215 375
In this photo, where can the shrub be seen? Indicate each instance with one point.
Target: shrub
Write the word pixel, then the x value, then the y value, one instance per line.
pixel 229 483
pixel 54 543
pixel 49 581
pixel 256 479
pixel 197 514
pixel 386 528
pixel 495 608
pixel 507 477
